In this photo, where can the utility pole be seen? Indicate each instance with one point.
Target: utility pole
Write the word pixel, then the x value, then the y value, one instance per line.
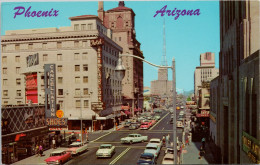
pixel 174 110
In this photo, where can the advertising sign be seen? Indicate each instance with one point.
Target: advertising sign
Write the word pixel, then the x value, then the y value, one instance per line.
pixel 204 113
pixel 32 60
pixel 252 147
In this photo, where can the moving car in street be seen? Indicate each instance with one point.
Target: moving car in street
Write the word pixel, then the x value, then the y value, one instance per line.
pixel 180 123
pixel 105 150
pixel 146 158
pixel 168 159
pixel 58 157
pixel 134 138
pixel 76 148
pixel 153 149
pixel 169 151
pixel 156 141
pixel 127 123
pixel 134 126
pixel 145 125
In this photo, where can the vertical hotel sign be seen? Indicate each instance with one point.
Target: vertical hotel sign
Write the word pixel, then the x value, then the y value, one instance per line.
pixel 50 90
pixel 98 43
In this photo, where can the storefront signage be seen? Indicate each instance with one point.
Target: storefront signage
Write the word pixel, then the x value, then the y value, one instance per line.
pixel 97 106
pixel 58 129
pixel 57 122
pixel 252 147
pixel 32 60
pixel 97 42
pixel 60 113
pixel 204 113
pixel 50 90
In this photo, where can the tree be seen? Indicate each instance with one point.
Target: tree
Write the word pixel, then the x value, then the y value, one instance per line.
pixel 189 99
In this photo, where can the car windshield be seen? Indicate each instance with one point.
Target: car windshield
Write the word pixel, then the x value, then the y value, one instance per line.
pixel 168 158
pixel 145 124
pixel 146 158
pixel 56 154
pixel 170 151
pixel 105 147
pixel 131 135
pixel 74 145
pixel 154 141
pixel 151 148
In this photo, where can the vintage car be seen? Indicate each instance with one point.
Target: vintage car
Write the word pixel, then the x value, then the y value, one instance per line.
pixel 157 111
pixel 153 121
pixel 134 126
pixel 180 123
pixel 168 159
pixel 145 125
pixel 134 138
pixel 157 117
pixel 127 123
pixel 76 148
pixel 156 141
pixel 153 149
pixel 58 157
pixel 169 151
pixel 105 150
pixel 146 158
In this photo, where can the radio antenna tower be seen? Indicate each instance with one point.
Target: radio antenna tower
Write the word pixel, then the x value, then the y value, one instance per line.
pixel 164 61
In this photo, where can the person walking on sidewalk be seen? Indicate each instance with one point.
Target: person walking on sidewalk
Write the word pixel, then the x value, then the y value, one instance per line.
pixel 53 143
pixel 167 140
pixel 203 141
pixel 163 140
pixel 41 150
pixel 37 150
pixel 202 152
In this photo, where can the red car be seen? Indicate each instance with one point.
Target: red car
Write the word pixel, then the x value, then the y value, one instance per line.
pixel 145 125
pixel 58 157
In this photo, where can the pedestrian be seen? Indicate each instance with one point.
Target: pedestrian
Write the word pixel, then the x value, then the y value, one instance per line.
pixel 37 150
pixel 41 150
pixel 101 127
pixel 187 141
pixel 202 152
pixel 53 143
pixel 163 139
pixel 203 142
pixel 189 138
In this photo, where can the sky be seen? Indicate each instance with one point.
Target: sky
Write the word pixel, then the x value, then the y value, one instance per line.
pixel 186 37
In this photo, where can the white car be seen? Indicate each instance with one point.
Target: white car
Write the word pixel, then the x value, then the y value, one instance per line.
pixel 168 159
pixel 76 148
pixel 169 151
pixel 134 138
pixel 180 124
pixel 156 141
pixel 105 150
pixel 153 149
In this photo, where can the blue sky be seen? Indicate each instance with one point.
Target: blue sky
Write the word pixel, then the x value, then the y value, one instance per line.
pixel 186 37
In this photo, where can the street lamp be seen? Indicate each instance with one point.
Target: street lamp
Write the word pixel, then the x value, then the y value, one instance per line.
pixel 120 72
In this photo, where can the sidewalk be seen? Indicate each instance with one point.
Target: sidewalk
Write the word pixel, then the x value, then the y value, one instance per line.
pixel 191 154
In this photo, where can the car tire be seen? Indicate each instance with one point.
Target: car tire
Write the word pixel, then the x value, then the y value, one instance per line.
pixel 131 142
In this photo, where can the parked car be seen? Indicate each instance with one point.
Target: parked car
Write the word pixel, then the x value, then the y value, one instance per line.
pixel 156 141
pixel 127 123
pixel 180 124
pixel 157 117
pixel 134 126
pixel 169 151
pixel 134 138
pixel 146 158
pixel 157 111
pixel 76 148
pixel 105 150
pixel 58 157
pixel 168 159
pixel 145 125
pixel 153 149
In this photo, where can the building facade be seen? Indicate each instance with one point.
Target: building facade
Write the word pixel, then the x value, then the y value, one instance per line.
pixel 237 109
pixel 85 57
pixel 122 21
pixel 205 72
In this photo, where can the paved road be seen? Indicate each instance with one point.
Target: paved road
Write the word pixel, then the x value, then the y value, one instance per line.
pixel 127 154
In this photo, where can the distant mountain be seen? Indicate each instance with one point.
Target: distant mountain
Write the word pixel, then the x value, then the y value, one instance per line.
pixel 188 93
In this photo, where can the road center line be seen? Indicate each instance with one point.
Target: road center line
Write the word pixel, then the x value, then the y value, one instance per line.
pixel 119 156
pixel 100 137
pixel 159 121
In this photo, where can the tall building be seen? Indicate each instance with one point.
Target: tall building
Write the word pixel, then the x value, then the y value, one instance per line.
pixel 162 86
pixel 122 21
pixel 205 72
pixel 85 57
pixel 237 87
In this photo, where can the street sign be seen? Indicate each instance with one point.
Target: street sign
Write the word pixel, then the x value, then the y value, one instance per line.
pixel 97 106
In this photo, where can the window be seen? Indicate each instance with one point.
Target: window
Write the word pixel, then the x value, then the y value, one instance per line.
pixel 77 92
pixel 3 48
pixel 60 91
pixel 17 58
pixel 44 45
pixel 85 91
pixel 90 26
pixel 112 25
pixel 119 39
pixel 5 81
pixel 59 68
pixel 4 59
pixel 85 103
pixel 85 67
pixel 77 68
pixel 76 56
pixel 5 93
pixel 45 57
pixel 126 24
pixel 85 79
pixel 59 57
pixel 60 79
pixel 18 93
pixel 83 26
pixel 84 56
pixel 61 104
pixel 4 70
pixel 76 27
pixel 17 47
pixel 85 44
pixel 30 46
pixel 18 81
pixel 77 103
pixel 76 44
pixel 5 102
pixel 77 80
pixel 59 45
pixel 19 102
pixel 17 70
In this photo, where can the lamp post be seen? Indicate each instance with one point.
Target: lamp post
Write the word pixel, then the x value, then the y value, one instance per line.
pixel 120 71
